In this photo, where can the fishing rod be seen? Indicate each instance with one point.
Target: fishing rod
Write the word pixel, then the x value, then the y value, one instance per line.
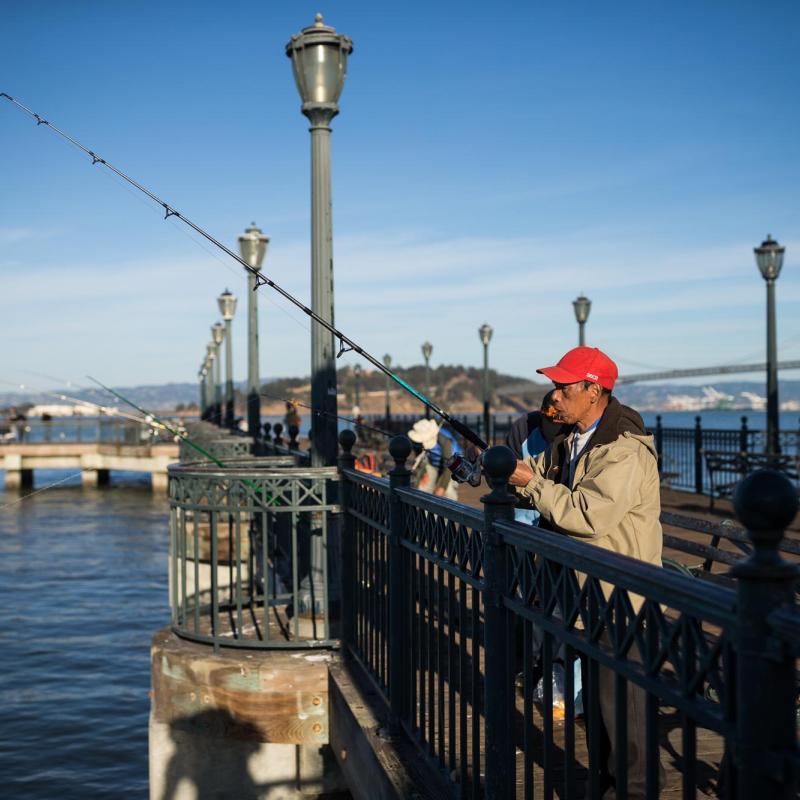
pixel 463 470
pixel 346 344
pixel 161 422
pixel 320 413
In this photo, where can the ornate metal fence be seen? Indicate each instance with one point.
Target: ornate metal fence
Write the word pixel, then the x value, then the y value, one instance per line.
pixel 681 450
pixel 225 448
pixel 243 570
pixel 438 598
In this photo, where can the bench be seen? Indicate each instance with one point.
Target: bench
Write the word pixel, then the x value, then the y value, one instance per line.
pixel 726 469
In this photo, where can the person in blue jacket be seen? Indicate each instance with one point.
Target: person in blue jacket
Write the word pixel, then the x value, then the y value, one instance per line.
pixel 435 446
pixel 530 435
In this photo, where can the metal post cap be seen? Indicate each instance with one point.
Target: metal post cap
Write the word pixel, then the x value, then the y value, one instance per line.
pixel 766 502
pixel 347 440
pixel 400 448
pixel 499 462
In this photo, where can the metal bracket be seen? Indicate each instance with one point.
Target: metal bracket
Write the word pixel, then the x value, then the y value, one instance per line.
pixel 343 349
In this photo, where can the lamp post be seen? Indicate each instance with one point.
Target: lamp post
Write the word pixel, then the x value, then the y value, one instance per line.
pixel 217 335
pixel 357 380
pixel 769 257
pixel 427 349
pixel 582 306
pixel 387 362
pixel 210 393
pixel 201 375
pixel 319 63
pixel 253 247
pixel 485 333
pixel 227 307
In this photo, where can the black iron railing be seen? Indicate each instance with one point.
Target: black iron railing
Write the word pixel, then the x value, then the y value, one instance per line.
pixel 205 439
pixel 682 450
pixel 242 543
pixel 437 597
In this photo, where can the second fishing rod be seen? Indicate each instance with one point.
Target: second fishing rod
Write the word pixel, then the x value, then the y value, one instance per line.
pixel 346 344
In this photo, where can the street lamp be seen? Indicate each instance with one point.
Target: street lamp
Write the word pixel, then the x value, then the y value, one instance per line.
pixel 227 307
pixel 201 375
pixel 769 257
pixel 217 335
pixel 210 392
pixel 319 62
pixel 357 379
pixel 387 362
pixel 253 247
pixel 582 306
pixel 485 333
pixel 427 349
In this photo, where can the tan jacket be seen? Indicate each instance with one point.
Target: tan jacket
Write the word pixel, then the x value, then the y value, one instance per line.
pixel 615 499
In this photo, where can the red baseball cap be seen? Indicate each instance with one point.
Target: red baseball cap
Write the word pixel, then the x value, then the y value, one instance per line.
pixel 583 364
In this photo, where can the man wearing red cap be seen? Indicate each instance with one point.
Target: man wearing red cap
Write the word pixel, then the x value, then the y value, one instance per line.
pixel 600 483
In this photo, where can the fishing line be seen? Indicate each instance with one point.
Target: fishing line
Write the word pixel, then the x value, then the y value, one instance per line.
pixel 327 414
pixel 268 499
pixel 345 343
pixel 43 489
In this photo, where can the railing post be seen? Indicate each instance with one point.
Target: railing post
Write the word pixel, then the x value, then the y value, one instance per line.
pixel 659 442
pixel 267 427
pixel 347 461
pixel 743 436
pixel 698 456
pixel 278 428
pixel 766 749
pixel 293 433
pixel 498 464
pixel 399 478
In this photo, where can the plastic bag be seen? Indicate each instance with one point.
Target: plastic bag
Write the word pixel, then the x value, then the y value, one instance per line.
pixel 559 703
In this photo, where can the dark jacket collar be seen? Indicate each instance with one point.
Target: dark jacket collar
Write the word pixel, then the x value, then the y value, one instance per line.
pixel 616 420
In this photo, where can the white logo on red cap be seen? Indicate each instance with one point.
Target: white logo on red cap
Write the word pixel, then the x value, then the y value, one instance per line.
pixel 592 376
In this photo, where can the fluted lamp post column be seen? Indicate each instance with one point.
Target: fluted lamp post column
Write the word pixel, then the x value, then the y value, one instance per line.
pixel 201 375
pixel 319 62
pixel 387 362
pixel 582 306
pixel 427 350
pixel 485 333
pixel 217 336
pixel 227 307
pixel 253 247
pixel 769 257
pixel 210 391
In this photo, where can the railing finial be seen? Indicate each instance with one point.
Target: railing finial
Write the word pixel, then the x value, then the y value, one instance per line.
pixel 347 440
pixel 499 463
pixel 294 431
pixel 400 450
pixel 766 503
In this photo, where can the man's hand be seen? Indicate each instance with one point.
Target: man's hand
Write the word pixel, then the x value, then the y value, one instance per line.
pixel 438 491
pixel 521 475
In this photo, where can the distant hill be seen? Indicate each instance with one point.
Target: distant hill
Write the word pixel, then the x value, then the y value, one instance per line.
pixel 454 387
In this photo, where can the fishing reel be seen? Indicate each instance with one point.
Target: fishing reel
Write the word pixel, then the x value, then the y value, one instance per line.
pixel 463 470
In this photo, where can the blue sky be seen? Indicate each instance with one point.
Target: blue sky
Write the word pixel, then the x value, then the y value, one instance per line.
pixel 490 162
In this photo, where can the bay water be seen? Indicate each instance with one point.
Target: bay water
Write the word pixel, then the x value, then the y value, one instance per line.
pixel 83 587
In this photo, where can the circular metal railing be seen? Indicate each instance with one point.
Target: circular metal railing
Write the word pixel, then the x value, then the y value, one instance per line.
pixel 251 549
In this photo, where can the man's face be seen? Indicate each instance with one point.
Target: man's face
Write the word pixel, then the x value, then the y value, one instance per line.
pixel 572 401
